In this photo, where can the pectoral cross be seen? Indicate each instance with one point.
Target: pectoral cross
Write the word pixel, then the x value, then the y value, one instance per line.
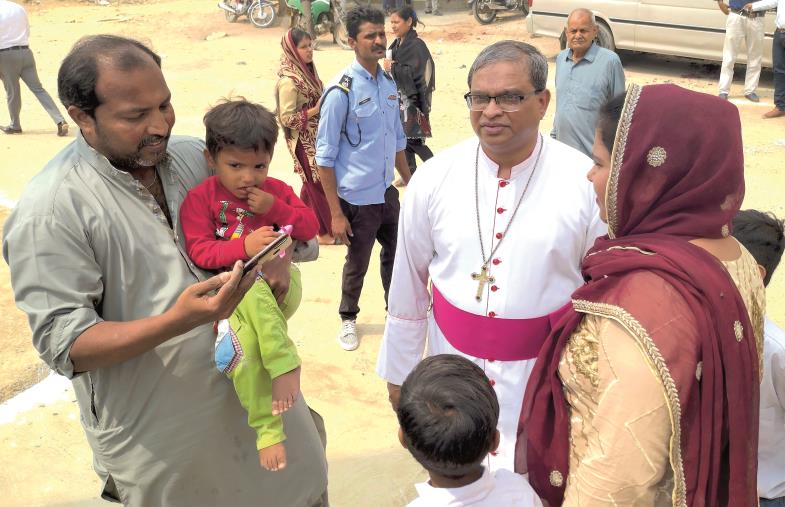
pixel 483 278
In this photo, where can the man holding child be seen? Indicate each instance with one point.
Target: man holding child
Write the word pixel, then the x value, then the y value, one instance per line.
pixel 98 262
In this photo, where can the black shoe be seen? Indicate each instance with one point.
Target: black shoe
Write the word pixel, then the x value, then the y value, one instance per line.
pixel 752 97
pixel 428 11
pixel 437 13
pixel 10 130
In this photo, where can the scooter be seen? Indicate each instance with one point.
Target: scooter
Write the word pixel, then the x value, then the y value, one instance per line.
pixel 327 17
pixel 485 10
pixel 261 13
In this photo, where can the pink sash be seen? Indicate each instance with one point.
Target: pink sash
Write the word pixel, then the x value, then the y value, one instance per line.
pixel 493 338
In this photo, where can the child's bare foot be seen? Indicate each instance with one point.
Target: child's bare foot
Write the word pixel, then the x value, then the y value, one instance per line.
pixel 273 458
pixel 286 389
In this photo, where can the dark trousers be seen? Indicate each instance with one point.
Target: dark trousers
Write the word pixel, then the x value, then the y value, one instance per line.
pixel 370 223
pixel 778 59
pixel 416 147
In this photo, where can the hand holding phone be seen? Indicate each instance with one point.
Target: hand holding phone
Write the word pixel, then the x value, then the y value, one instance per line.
pixel 280 244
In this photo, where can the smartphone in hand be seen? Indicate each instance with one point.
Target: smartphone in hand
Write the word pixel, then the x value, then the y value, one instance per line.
pixel 269 252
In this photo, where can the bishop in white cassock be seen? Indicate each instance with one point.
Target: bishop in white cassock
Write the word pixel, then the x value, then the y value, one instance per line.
pixel 523 210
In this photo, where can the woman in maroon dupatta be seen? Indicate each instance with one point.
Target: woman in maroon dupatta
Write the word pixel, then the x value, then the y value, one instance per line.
pixel 298 97
pixel 646 393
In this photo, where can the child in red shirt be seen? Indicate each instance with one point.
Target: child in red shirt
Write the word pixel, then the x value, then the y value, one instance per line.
pixel 231 216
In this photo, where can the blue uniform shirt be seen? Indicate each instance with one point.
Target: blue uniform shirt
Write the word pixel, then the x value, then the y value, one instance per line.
pixel 362 172
pixel 581 90
pixel 738 5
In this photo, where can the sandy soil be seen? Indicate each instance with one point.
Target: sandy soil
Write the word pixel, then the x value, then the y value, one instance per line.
pixel 43 457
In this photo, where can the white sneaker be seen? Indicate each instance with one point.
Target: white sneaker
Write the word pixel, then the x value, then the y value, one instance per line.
pixel 347 338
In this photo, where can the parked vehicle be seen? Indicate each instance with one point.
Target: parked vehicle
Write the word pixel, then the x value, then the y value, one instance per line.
pixel 327 16
pixel 686 28
pixel 485 11
pixel 261 13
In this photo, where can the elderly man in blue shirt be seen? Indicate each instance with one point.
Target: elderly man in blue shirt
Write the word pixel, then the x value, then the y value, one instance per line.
pixel 360 138
pixel 587 76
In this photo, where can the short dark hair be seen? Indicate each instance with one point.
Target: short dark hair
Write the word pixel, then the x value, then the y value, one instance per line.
pixel 448 414
pixel 362 14
pixel 608 120
pixel 406 13
pixel 298 34
pixel 763 234
pixel 240 124
pixel 78 74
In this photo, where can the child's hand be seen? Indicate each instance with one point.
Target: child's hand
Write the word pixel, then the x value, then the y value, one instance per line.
pixel 258 239
pixel 260 201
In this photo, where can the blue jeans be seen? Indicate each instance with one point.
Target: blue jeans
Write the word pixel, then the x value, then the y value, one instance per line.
pixel 778 57
pixel 774 502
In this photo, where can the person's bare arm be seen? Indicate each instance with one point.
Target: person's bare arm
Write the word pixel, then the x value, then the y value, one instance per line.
pixel 403 166
pixel 109 343
pixel 394 395
pixel 341 228
pixel 723 7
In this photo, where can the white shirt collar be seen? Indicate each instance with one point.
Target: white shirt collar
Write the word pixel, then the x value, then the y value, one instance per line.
pixel 524 167
pixel 466 495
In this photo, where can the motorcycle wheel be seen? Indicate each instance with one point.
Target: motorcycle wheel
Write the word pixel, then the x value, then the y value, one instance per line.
pixel 483 12
pixel 262 14
pixel 231 18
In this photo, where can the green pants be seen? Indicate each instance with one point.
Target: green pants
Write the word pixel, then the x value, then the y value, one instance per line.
pixel 253 347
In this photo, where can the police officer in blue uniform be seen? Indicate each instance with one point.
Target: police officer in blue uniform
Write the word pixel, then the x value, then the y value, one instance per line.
pixel 360 139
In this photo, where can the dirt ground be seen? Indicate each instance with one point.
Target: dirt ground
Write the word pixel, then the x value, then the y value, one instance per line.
pixel 44 459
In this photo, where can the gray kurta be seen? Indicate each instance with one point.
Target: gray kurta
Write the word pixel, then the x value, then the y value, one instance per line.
pixel 88 243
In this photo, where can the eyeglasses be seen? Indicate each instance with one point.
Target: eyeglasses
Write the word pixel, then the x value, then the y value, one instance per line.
pixel 509 102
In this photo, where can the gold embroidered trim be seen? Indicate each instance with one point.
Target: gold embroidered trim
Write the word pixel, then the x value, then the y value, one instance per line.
pixel 739 330
pixel 639 250
pixel 617 157
pixel 585 355
pixel 699 371
pixel 758 326
pixel 620 315
pixel 725 231
pixel 656 156
pixel 556 478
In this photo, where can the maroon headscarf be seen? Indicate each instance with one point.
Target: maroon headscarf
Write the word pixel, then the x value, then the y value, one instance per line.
pixel 677 173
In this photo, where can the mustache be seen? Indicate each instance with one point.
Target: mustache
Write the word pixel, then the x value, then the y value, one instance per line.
pixel 152 140
pixel 376 47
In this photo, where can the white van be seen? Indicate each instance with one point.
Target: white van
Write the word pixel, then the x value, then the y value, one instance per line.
pixel 688 28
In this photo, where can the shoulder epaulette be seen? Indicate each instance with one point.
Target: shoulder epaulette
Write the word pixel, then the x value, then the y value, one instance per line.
pixel 345 83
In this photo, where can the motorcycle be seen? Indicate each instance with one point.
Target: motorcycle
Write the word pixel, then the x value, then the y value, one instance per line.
pixel 485 10
pixel 327 17
pixel 261 13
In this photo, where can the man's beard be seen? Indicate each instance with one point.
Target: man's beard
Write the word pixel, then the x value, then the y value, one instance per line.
pixel 136 161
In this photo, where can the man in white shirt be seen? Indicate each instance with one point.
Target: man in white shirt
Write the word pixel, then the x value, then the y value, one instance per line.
pixel 17 61
pixel 742 28
pixel 777 52
pixel 499 224
pixel 763 235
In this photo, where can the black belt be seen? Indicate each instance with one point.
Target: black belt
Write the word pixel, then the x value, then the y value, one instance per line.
pixel 14 47
pixel 747 14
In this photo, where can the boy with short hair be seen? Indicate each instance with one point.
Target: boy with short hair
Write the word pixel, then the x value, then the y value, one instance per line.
pixel 231 216
pixel 763 235
pixel 448 413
